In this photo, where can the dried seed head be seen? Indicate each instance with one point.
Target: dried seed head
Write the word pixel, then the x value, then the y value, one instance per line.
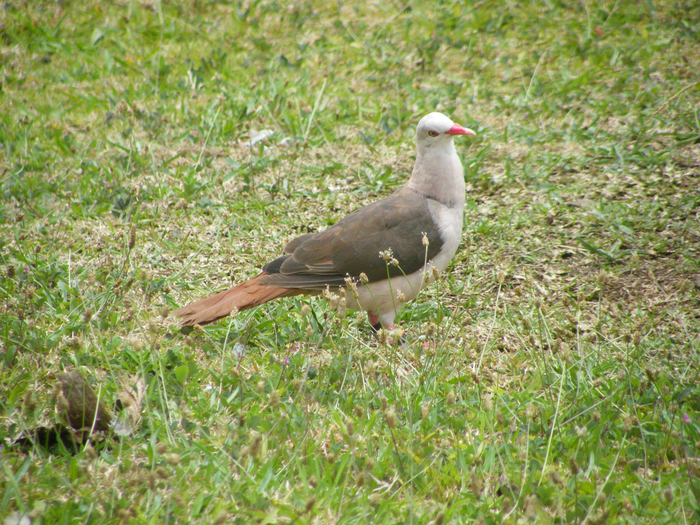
pixel 222 517
pixel 87 315
pixel 165 312
pixel 260 386
pixel 163 473
pixel 425 240
pixel 352 286
pixel 556 477
pixel 334 300
pixel 10 271
pixel 275 398
pixel 396 333
pixel 393 261
pixel 151 478
pixel 350 427
pixel 450 399
pixel 435 272
pixel 573 466
pixel 132 237
pixel 305 309
pixel 650 374
pixel 400 297
pixel 390 418
pixel 136 344
pixel 384 403
pixel 255 442
pixel 161 448
pixel 172 458
pixel 425 409
pixel 500 277
pixel 359 411
pixel 637 339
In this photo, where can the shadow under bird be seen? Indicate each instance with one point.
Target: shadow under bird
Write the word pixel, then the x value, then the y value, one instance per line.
pixel 384 252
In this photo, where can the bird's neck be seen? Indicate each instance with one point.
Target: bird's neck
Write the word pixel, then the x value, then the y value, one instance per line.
pixel 438 175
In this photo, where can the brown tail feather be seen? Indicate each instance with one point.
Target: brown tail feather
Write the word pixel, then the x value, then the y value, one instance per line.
pixel 241 297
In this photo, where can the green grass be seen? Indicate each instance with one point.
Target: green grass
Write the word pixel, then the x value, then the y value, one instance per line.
pixel 560 384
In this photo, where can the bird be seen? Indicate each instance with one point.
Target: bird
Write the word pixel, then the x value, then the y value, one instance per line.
pixel 379 256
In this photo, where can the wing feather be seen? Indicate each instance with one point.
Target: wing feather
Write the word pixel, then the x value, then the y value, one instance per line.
pixel 353 245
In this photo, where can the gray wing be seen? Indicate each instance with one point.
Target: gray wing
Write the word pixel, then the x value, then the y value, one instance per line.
pixel 352 245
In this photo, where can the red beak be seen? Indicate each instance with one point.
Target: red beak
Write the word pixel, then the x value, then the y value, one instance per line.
pixel 459 130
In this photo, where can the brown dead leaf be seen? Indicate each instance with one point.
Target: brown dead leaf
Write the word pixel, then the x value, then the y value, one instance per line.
pixel 78 405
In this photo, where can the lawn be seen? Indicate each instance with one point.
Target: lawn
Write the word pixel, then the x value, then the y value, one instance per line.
pixel 154 152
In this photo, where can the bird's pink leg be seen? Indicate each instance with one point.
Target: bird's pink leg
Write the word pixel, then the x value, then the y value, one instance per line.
pixel 374 321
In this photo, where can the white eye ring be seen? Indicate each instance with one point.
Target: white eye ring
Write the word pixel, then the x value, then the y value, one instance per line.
pixel 433 133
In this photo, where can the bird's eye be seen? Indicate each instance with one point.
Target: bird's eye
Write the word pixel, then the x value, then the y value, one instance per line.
pixel 433 133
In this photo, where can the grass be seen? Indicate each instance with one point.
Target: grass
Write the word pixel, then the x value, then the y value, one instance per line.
pixel 561 380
